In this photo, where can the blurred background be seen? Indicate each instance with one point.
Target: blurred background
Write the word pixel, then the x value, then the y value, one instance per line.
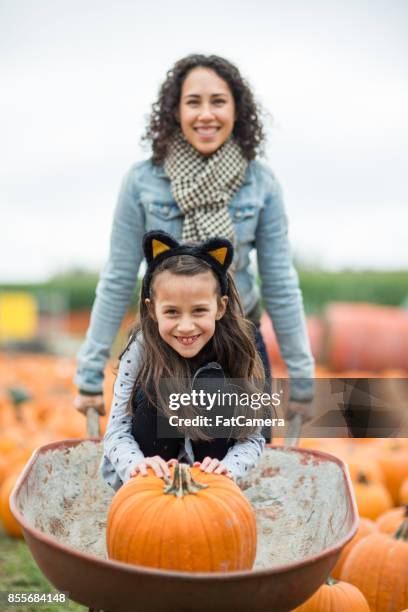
pixel 330 77
pixel 78 82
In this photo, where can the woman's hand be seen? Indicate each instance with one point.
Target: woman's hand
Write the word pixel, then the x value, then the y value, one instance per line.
pixel 83 402
pixel 158 465
pixel 213 466
pixel 305 409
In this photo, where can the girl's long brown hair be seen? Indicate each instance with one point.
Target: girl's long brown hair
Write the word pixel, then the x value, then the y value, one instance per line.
pixel 233 348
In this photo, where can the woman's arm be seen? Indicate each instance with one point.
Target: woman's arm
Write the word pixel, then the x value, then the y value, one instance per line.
pixel 115 287
pixel 121 451
pixel 281 292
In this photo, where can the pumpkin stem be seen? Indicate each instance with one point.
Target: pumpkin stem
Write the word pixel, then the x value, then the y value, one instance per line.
pixel 18 396
pixel 331 581
pixel 183 483
pixel 362 478
pixel 402 531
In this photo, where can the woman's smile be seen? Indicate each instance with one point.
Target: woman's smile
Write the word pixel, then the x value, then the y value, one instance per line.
pixel 206 111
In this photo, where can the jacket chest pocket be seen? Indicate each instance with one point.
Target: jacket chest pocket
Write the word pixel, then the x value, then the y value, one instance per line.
pixel 244 218
pixel 166 216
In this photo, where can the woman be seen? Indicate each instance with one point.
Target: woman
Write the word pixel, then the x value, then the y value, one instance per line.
pixel 203 180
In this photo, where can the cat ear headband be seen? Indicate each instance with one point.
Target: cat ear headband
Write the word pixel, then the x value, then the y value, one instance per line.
pixel 158 245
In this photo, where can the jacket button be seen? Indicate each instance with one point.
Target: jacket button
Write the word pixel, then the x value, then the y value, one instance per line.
pixel 166 210
pixel 238 214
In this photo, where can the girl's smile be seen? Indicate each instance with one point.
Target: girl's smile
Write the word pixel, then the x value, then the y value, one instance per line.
pixel 186 309
pixel 187 340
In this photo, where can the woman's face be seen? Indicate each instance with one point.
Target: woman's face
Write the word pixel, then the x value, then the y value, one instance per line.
pixel 206 111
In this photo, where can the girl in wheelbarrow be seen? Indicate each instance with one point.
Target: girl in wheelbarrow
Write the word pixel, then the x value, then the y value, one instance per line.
pixel 191 329
pixel 204 180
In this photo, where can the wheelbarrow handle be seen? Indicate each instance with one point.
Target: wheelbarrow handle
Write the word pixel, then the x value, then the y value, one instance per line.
pixel 293 430
pixel 92 422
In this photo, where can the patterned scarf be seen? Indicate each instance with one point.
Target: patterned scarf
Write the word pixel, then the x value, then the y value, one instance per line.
pixel 203 186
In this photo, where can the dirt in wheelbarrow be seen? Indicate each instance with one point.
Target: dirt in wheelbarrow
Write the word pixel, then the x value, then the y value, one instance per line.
pixel 300 503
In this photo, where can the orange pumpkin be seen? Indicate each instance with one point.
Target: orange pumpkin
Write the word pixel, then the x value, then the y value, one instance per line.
pixel 336 597
pixel 393 458
pixel 378 566
pixel 6 518
pixel 362 460
pixel 199 523
pixel 403 492
pixel 391 520
pixel 372 497
pixel 365 527
pixel 14 462
pixel 11 440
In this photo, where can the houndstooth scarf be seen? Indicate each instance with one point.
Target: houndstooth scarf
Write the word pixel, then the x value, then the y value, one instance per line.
pixel 203 186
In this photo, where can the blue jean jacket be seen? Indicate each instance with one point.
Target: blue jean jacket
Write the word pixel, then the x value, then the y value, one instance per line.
pixel 258 215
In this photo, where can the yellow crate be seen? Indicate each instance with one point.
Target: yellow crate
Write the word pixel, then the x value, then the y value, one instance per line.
pixel 18 316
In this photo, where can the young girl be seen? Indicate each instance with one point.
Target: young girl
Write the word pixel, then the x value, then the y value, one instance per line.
pixel 191 328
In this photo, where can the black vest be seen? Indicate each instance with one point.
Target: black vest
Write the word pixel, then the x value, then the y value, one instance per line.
pixel 145 426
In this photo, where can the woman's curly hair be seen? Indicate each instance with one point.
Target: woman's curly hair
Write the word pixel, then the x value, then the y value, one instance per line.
pixel 248 130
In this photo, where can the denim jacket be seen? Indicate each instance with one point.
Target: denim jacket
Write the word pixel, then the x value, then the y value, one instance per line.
pixel 258 215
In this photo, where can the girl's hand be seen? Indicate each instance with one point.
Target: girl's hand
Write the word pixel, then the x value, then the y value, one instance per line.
pixel 213 466
pixel 158 465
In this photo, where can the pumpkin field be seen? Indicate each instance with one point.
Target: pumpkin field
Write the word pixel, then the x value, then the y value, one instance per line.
pixel 36 408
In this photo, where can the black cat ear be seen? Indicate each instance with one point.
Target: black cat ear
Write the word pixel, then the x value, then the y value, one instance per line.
pixel 221 250
pixel 157 242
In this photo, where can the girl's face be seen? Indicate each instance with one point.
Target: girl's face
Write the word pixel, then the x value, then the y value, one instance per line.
pixel 206 111
pixel 186 310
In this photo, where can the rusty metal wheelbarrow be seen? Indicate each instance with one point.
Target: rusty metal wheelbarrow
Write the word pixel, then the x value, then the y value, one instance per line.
pixel 306 513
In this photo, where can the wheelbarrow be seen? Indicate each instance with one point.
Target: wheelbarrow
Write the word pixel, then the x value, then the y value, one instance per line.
pixel 305 511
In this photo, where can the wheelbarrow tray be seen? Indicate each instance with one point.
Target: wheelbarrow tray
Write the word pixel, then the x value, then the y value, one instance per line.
pixel 104 584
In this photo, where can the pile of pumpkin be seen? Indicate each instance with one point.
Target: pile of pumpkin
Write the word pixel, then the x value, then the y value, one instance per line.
pixel 372 570
pixel 36 407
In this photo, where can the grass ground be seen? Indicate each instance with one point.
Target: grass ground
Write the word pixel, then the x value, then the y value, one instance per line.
pixel 19 573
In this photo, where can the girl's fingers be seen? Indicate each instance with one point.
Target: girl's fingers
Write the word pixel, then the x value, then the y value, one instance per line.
pixel 157 469
pixel 142 468
pixel 212 465
pixel 222 469
pixel 172 462
pixel 196 463
pixel 159 466
pixel 205 463
pixel 163 466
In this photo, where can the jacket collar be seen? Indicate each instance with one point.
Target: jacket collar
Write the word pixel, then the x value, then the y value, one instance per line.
pixel 160 173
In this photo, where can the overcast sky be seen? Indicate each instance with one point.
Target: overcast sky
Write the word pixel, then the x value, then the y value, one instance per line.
pixel 78 79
